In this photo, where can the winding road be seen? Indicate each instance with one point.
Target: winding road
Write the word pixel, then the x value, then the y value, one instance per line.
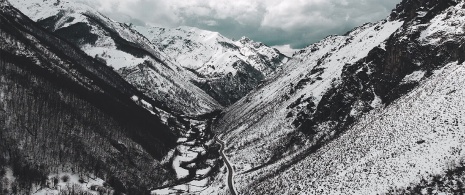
pixel 228 165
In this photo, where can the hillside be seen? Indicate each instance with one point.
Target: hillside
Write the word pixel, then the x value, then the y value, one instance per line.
pixel 67 117
pixel 276 132
pixel 227 69
pixel 414 145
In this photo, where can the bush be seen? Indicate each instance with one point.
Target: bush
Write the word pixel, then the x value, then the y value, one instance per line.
pixel 4 182
pixel 65 178
pixel 55 181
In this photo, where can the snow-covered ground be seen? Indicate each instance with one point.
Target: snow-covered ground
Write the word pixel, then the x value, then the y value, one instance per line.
pixel 193 187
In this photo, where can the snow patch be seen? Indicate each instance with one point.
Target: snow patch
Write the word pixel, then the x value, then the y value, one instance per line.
pixel 70 181
pixel 414 76
pixel 377 102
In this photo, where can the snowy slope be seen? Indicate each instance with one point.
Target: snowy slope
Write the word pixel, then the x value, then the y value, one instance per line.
pixel 419 136
pixel 123 48
pixel 328 86
pixel 215 58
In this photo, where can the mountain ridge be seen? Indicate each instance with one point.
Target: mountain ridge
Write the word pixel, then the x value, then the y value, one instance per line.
pixel 227 69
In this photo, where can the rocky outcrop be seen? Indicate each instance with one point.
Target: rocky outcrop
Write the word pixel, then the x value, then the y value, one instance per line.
pixel 382 72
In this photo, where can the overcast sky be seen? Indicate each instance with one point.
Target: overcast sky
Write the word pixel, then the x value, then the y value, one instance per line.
pixel 297 23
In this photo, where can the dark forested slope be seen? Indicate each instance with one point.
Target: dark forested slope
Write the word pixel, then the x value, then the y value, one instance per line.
pixel 61 111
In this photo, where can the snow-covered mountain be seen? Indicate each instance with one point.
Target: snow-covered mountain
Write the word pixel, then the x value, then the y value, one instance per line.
pixel 284 136
pixel 227 69
pixel 201 67
pixel 124 49
pixel 377 110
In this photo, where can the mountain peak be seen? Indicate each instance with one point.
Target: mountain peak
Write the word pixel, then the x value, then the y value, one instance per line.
pixel 245 39
pixel 250 43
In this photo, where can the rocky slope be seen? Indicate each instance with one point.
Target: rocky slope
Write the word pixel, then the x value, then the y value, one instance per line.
pixel 228 69
pixel 124 49
pixel 277 133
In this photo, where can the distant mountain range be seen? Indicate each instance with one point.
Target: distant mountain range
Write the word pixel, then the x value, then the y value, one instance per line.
pixel 227 69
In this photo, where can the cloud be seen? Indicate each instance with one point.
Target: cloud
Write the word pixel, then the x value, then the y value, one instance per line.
pixel 155 12
pixel 210 22
pixel 297 23
pixel 291 14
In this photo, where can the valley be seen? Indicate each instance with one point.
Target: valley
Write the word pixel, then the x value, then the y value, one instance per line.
pixel 90 105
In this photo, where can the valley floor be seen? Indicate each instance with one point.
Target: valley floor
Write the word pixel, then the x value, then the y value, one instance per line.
pixel 195 159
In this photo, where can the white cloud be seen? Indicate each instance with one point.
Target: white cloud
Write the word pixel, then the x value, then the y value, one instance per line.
pixel 211 22
pixel 288 15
